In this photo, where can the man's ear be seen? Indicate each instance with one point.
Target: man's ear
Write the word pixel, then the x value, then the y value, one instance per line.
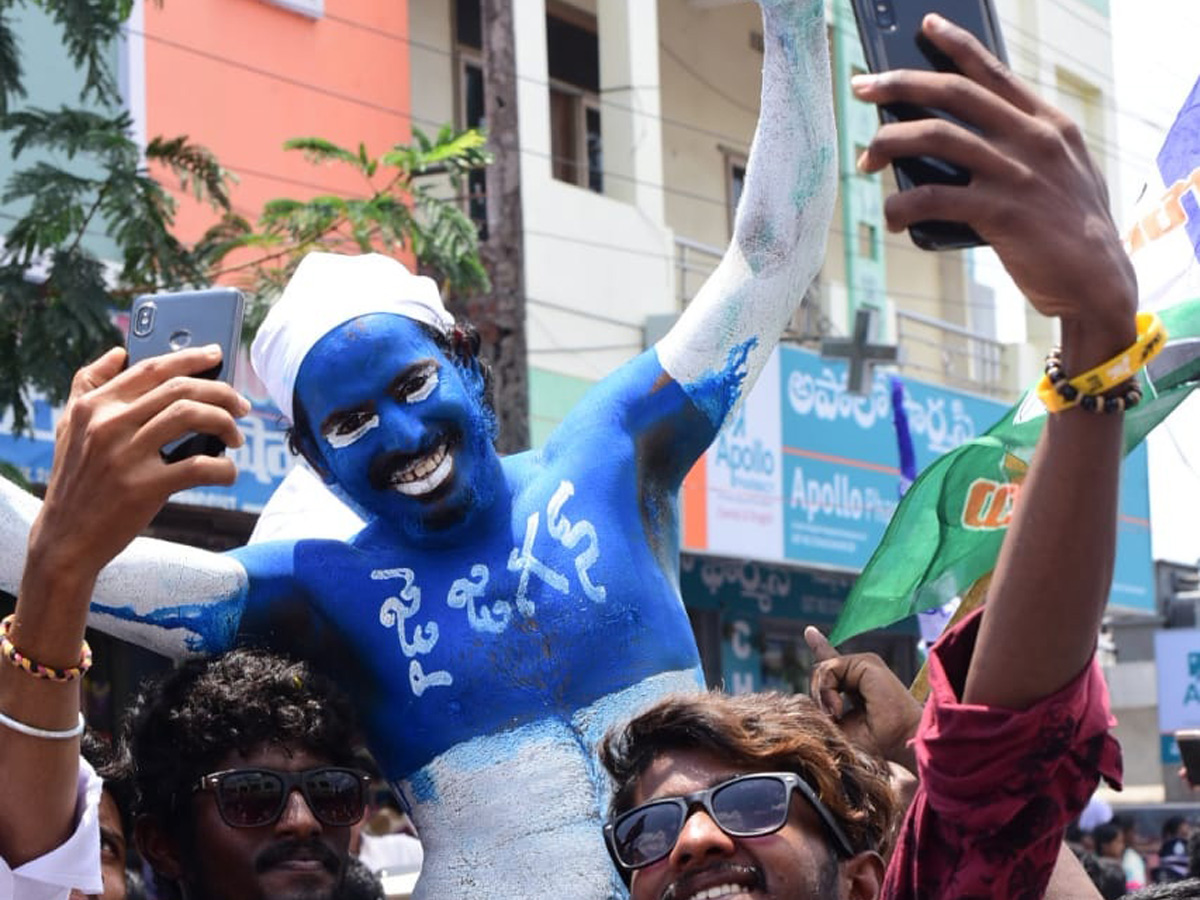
pixel 862 877
pixel 158 847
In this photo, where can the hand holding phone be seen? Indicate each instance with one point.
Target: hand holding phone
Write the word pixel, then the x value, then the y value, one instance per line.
pixel 165 323
pixel 890 31
pixel 1035 192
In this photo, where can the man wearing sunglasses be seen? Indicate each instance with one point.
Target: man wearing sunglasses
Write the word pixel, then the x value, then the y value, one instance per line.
pixel 245 779
pixel 759 795
pixel 1016 734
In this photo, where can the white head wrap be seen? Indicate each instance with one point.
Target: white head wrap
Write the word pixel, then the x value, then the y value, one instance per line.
pixel 328 290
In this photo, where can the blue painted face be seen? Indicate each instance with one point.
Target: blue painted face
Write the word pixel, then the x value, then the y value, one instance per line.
pixel 400 430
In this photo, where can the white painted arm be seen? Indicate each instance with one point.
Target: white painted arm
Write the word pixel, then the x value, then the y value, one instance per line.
pixel 170 598
pixel 783 218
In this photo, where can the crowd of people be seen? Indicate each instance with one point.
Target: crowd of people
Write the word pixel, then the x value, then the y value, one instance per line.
pixel 241 775
pixel 1121 857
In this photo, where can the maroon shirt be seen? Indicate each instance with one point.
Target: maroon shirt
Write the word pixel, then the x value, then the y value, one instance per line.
pixel 998 787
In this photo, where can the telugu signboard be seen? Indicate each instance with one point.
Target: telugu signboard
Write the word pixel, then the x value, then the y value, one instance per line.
pixel 807 473
pixel 262 461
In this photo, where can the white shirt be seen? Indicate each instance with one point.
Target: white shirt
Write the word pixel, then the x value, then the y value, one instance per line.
pixel 73 864
pixel 393 853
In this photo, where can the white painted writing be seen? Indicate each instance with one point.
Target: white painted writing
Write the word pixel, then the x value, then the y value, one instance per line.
pixel 395 612
pixel 570 535
pixel 466 593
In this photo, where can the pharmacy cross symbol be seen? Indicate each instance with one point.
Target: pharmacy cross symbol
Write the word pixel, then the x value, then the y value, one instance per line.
pixel 861 355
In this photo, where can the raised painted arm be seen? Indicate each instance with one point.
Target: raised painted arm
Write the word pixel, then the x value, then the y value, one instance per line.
pixel 723 339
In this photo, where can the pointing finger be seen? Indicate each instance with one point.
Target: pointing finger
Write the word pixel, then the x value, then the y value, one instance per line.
pixel 819 645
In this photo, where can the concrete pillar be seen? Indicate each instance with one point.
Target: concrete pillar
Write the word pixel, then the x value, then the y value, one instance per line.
pixel 631 104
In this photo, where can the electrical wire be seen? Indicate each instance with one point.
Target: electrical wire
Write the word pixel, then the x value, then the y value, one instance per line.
pixel 1098 142
pixel 889 243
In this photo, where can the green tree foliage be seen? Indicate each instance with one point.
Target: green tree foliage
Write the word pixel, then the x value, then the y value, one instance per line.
pixel 403 206
pixel 55 294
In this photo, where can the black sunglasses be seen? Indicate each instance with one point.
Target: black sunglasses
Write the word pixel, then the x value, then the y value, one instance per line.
pixel 746 806
pixel 248 798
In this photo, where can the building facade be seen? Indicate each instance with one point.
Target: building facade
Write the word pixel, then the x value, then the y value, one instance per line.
pixel 635 120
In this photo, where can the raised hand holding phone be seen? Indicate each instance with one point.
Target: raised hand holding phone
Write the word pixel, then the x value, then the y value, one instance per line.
pixel 170 322
pixel 892 38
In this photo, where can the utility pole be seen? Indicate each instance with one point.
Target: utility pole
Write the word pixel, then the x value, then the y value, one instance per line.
pixel 500 314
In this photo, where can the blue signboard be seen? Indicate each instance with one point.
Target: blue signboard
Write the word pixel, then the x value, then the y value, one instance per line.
pixel 262 461
pixel 841 480
pixel 808 474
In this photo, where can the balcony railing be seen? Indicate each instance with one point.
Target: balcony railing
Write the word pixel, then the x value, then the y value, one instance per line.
pixel 948 353
pixel 695 262
pixel 931 349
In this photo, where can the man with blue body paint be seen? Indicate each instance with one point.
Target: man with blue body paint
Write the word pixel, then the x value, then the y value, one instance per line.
pixel 495 616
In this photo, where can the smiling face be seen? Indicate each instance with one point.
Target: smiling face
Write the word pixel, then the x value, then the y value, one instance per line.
pixel 295 857
pixel 795 862
pixel 397 427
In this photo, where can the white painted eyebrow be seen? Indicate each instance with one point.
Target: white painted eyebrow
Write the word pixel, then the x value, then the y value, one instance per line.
pixel 338 441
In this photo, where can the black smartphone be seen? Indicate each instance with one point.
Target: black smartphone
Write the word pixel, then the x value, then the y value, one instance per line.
pixel 1188 742
pixel 164 323
pixel 890 31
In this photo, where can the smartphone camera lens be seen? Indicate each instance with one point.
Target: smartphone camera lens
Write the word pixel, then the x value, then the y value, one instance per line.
pixel 143 320
pixel 885 14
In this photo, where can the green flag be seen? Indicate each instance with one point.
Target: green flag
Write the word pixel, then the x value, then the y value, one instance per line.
pixel 947 531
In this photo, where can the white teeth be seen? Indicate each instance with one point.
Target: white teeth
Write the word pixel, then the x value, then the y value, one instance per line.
pixel 720 890
pixel 425 474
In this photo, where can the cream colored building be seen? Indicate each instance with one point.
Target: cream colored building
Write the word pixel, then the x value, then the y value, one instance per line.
pixel 628 235
pixel 636 117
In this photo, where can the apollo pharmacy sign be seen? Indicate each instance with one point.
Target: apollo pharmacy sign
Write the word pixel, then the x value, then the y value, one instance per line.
pixel 808 473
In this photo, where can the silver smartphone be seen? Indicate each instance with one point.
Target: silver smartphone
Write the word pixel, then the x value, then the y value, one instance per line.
pixel 164 323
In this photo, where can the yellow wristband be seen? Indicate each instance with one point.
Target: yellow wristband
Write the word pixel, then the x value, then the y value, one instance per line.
pixel 1152 337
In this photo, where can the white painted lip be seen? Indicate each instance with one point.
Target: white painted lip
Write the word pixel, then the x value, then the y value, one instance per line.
pixel 424 475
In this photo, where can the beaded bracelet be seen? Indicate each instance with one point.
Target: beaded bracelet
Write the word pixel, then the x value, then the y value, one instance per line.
pixel 65 735
pixel 1130 397
pixel 36 669
pixel 1057 392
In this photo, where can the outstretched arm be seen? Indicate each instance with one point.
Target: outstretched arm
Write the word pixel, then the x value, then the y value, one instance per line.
pixel 107 482
pixel 170 598
pixel 723 339
pixel 1036 195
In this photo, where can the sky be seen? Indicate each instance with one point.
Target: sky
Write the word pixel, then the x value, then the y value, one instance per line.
pixel 1155 65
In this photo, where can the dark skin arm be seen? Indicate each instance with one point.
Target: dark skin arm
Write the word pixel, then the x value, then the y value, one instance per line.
pixel 1038 198
pixel 107 482
pixel 883 717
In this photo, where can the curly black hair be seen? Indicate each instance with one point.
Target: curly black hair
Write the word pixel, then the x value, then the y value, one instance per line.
pixel 181 725
pixel 98 751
